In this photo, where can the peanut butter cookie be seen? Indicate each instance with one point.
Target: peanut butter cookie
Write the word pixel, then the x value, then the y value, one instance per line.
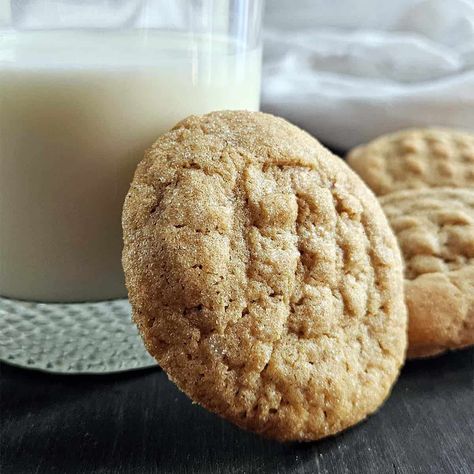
pixel 416 159
pixel 435 230
pixel 263 276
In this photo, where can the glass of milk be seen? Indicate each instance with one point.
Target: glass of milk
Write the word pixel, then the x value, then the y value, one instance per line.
pixel 85 88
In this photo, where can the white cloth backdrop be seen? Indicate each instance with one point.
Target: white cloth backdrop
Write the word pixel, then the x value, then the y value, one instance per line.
pixel 349 70
pixel 345 70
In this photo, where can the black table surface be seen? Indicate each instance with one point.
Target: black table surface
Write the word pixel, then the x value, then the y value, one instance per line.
pixel 138 422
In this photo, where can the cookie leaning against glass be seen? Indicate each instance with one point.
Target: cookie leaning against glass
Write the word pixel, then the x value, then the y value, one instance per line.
pixel 435 230
pixel 263 276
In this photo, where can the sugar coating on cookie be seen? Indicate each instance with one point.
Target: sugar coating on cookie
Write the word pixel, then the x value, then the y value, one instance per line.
pixel 416 159
pixel 435 230
pixel 263 276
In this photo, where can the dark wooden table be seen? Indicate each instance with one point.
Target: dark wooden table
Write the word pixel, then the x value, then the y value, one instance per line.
pixel 138 422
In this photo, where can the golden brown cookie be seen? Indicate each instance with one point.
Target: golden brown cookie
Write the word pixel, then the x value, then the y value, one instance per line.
pixel 263 276
pixel 435 230
pixel 416 159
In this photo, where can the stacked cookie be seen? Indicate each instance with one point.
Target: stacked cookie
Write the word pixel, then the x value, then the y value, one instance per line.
pixel 264 276
pixel 425 181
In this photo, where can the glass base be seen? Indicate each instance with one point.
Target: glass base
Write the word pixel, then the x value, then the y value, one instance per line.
pixel 71 337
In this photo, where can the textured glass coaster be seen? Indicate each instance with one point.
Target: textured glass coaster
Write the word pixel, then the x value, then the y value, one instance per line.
pixel 71 338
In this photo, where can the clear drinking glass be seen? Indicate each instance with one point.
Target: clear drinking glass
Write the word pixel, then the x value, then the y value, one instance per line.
pixel 85 88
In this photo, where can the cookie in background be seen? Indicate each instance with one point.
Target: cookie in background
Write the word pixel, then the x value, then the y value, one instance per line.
pixel 415 159
pixel 435 231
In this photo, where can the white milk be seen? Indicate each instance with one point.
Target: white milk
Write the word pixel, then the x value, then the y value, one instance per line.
pixel 77 110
